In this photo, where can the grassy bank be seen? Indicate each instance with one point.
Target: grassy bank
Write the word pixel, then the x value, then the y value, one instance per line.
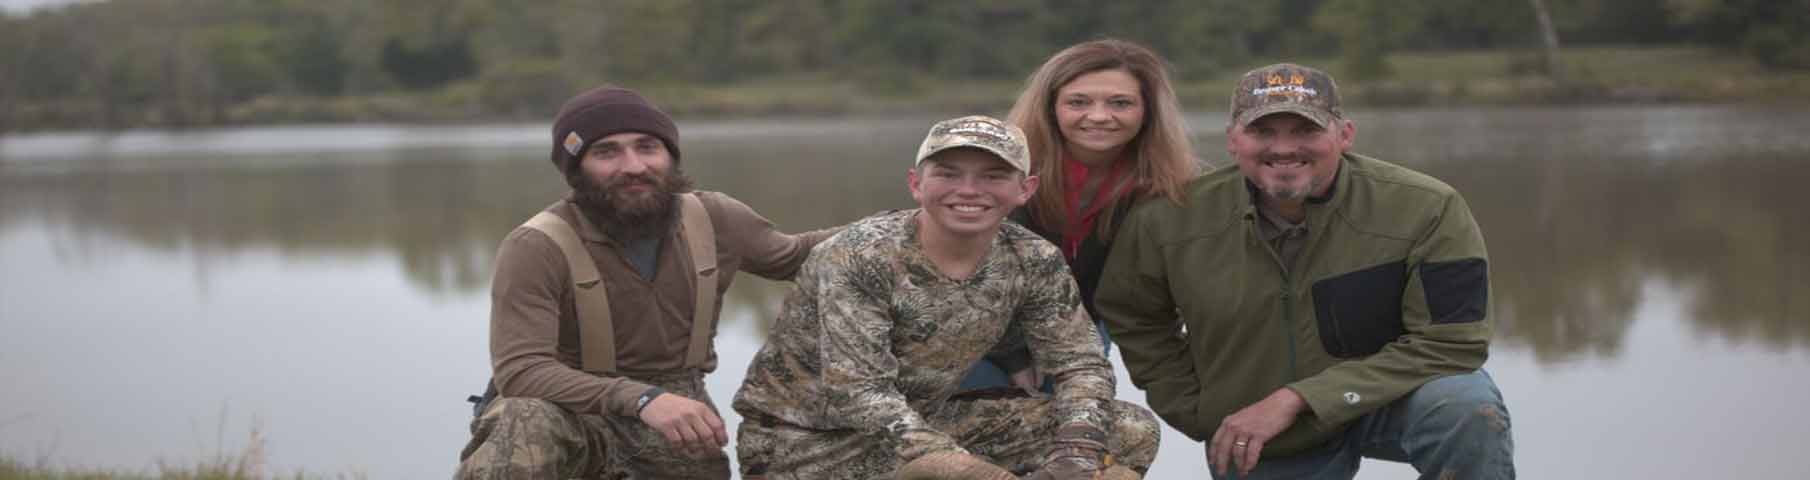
pixel 239 466
pixel 224 468
pixel 14 470
pixel 1594 75
pixel 247 463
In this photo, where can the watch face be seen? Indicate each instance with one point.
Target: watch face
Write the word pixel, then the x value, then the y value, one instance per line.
pixel 647 396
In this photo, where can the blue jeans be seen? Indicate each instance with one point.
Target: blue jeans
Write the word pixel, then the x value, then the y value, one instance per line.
pixel 1456 426
pixel 985 374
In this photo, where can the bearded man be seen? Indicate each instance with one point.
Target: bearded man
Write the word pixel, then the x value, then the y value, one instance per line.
pixel 604 304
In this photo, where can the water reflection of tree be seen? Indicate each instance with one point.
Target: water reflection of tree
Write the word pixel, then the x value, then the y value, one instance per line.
pixel 1565 283
pixel 441 218
pixel 799 185
pixel 440 212
pixel 1575 232
pixel 757 299
pixel 1574 238
pixel 1748 252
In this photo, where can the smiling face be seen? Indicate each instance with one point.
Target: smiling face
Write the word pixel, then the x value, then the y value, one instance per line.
pixel 1289 157
pixel 967 192
pixel 632 160
pixel 629 180
pixel 1098 113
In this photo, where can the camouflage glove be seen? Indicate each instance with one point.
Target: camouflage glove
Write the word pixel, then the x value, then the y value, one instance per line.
pixel 1078 452
pixel 952 465
pixel 1066 468
pixel 1074 468
pixel 1119 472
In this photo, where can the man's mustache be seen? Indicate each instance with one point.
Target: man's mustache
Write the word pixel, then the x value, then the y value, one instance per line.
pixel 633 179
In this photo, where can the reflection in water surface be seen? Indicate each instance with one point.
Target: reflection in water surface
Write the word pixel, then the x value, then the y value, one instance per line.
pixel 361 255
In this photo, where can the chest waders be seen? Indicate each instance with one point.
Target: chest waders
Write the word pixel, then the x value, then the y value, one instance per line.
pixel 596 330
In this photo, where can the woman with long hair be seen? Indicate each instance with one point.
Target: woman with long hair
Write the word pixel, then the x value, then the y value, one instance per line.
pixel 1105 132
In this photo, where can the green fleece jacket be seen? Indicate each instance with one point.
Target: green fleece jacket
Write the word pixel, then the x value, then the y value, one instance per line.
pixel 1391 290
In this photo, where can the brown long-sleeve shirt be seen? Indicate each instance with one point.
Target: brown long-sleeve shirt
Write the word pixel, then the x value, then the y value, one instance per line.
pixel 534 341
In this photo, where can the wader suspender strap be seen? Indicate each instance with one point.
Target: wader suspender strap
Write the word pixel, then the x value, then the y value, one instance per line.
pixel 597 348
pixel 597 331
pixel 701 236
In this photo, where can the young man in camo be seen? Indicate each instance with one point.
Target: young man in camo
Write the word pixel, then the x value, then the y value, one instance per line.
pixel 858 378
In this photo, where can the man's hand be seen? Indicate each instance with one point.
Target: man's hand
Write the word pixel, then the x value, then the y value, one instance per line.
pixel 1241 437
pixel 686 423
pixel 1028 380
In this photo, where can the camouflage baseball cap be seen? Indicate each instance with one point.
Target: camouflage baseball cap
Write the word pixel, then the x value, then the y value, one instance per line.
pixel 1286 87
pixel 978 131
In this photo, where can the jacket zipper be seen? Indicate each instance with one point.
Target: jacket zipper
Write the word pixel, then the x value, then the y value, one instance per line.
pixel 1287 294
pixel 1288 324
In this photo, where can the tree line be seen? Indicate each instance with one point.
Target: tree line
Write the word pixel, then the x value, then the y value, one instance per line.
pixel 187 61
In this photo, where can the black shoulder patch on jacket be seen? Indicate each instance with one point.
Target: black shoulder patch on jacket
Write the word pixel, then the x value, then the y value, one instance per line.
pixel 1360 312
pixel 1457 291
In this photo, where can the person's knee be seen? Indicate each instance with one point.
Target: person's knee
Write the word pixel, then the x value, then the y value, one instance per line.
pixel 521 412
pixel 519 438
pixel 1468 403
pixel 1137 434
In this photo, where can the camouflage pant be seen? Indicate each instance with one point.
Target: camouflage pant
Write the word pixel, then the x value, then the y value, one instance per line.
pixel 1006 431
pixel 533 438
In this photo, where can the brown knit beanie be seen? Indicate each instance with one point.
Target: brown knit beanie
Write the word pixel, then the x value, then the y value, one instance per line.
pixel 602 112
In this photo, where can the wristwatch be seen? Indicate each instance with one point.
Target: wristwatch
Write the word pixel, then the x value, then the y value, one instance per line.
pixel 646 398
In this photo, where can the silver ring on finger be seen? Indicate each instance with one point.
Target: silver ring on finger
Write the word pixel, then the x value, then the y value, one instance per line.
pixel 1240 444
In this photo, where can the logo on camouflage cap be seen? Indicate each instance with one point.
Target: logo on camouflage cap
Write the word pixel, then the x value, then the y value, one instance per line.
pixel 1285 87
pixel 978 131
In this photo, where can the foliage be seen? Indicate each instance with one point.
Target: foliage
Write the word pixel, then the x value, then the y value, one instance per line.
pixel 430 65
pixel 197 61
pixel 1368 30
pixel 525 88
pixel 1775 32
pixel 309 49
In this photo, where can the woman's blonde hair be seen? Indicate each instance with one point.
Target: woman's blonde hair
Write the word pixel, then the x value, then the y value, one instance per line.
pixel 1163 157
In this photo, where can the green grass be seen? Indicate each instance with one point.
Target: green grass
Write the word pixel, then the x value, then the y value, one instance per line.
pixel 823 93
pixel 1590 75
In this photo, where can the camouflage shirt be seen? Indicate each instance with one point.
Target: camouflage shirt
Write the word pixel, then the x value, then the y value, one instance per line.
pixel 874 337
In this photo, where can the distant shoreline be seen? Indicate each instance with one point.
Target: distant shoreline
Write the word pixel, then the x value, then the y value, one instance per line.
pixel 1591 76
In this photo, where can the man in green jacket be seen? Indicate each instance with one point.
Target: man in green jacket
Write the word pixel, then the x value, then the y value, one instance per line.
pixel 1310 306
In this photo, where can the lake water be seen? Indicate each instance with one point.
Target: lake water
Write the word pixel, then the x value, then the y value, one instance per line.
pixel 163 294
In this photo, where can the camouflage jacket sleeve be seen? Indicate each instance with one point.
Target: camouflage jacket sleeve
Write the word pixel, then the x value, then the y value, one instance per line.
pixel 527 293
pixel 768 252
pixel 860 371
pixel 1063 342
pixel 1444 312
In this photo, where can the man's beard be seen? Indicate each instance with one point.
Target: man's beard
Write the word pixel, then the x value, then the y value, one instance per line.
pixel 624 215
pixel 1290 187
pixel 1286 190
